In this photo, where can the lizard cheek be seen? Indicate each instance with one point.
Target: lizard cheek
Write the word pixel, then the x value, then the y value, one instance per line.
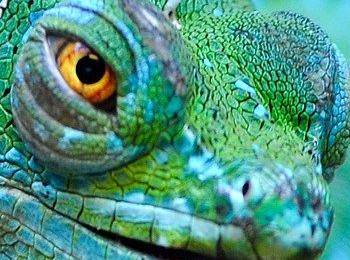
pixel 86 73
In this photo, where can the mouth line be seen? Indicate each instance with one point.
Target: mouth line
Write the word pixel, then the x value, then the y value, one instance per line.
pixel 148 249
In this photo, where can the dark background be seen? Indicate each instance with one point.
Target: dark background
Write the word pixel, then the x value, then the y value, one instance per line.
pixel 334 17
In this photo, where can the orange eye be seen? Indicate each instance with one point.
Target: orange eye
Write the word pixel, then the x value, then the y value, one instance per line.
pixel 86 73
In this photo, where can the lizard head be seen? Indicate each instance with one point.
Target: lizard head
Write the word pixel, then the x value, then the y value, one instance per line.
pixel 145 164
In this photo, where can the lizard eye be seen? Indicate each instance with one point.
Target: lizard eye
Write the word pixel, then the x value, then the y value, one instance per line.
pixel 86 73
pixel 85 101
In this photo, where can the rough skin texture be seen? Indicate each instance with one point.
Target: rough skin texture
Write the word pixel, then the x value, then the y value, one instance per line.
pixel 218 143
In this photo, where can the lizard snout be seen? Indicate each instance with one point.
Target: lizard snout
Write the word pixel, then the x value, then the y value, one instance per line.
pixel 293 221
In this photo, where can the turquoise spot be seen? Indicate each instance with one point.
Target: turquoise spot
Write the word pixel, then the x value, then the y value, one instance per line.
pixel 162 158
pixel 114 143
pixel 70 138
pixel 34 16
pixel 217 12
pixel 130 101
pixel 204 166
pixel 244 86
pixel 149 112
pixel 207 63
pixel 261 112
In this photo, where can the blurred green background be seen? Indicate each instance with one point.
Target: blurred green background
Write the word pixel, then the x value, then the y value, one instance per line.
pixel 334 17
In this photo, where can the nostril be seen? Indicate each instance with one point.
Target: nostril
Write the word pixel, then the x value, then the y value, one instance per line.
pixel 246 188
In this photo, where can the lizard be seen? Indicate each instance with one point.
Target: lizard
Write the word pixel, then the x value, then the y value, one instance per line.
pixel 124 137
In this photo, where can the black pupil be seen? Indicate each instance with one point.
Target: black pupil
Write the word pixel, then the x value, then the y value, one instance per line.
pixel 89 70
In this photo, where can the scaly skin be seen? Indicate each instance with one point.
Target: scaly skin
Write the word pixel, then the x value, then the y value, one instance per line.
pixel 219 142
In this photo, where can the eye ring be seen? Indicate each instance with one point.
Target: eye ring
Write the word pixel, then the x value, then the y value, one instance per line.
pixel 86 73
